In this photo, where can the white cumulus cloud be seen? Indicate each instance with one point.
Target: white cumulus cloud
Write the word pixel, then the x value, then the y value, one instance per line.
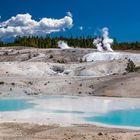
pixel 24 25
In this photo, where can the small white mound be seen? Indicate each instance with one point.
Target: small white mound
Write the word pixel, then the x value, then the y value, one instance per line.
pixel 108 56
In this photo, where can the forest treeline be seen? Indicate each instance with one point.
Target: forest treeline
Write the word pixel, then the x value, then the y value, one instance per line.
pixel 81 42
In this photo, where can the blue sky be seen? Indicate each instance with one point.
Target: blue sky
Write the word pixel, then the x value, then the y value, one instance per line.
pixel 122 17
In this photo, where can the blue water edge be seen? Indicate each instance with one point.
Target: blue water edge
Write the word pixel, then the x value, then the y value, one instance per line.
pixel 119 118
pixel 14 104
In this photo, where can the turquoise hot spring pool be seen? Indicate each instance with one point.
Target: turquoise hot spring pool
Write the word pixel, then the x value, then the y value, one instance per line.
pixel 120 118
pixel 69 107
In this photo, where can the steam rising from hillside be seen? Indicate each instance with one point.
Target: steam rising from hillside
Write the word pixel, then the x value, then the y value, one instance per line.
pixel 63 45
pixel 98 44
pixel 104 42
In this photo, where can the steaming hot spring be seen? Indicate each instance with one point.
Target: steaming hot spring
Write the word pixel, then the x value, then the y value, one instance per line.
pixel 105 52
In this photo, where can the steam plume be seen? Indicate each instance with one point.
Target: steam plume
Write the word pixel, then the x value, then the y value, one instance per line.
pixel 63 45
pixel 98 44
pixel 104 42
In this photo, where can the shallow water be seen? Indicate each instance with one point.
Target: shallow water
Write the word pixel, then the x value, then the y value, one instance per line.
pixel 121 118
pixel 14 104
pixel 72 110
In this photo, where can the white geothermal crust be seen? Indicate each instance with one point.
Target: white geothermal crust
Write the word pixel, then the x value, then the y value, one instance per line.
pixel 108 56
